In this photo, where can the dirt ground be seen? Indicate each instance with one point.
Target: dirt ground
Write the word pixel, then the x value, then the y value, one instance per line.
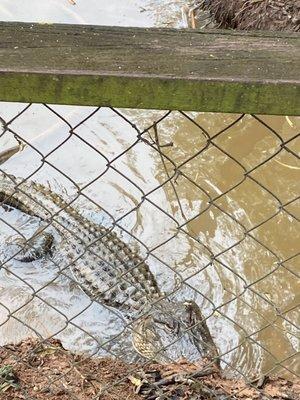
pixel 279 15
pixel 34 370
pixel 48 371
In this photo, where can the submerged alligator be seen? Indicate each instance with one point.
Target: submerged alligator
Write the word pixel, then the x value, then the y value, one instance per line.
pixel 106 269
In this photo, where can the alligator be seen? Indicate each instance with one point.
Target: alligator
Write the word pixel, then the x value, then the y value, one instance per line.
pixel 105 268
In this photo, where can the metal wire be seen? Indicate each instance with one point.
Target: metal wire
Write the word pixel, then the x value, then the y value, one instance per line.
pixel 175 174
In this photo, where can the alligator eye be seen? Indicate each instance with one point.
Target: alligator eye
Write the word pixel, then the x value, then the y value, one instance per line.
pixel 172 327
pixel 169 326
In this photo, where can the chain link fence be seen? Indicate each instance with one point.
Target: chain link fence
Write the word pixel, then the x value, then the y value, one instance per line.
pixel 143 237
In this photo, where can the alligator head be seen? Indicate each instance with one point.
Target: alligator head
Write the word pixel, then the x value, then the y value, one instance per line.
pixel 173 330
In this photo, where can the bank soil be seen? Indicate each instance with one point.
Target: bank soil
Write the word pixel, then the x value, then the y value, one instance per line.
pixel 274 15
pixel 35 370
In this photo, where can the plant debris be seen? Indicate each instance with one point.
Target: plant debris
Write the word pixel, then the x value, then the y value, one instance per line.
pixel 45 370
pixel 8 378
pixel 273 15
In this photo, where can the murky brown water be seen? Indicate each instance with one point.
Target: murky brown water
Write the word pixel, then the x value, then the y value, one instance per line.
pixel 250 299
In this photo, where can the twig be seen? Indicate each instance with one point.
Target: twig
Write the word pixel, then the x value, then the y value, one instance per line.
pixel 193 21
pixel 166 169
pixel 185 378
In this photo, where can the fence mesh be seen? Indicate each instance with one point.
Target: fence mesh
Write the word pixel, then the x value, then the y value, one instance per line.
pixel 148 237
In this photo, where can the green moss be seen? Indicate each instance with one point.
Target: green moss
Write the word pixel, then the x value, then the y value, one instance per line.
pixel 151 93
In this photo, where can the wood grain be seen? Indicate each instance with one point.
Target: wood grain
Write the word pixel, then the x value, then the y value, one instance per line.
pixel 214 71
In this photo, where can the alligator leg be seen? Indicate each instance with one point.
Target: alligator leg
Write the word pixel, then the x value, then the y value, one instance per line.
pixel 6 154
pixel 35 248
pixel 201 335
pixel 27 250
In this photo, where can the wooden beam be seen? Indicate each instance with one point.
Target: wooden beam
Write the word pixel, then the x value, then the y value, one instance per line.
pixel 150 68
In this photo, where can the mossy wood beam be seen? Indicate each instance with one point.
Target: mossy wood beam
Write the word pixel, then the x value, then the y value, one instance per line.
pixel 154 68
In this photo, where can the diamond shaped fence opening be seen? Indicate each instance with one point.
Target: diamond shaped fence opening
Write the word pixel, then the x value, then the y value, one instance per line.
pixel 149 237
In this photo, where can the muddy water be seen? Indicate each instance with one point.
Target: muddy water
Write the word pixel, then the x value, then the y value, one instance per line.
pixel 250 299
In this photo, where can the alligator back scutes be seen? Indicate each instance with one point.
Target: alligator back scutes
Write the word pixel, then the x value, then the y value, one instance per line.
pixel 105 267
